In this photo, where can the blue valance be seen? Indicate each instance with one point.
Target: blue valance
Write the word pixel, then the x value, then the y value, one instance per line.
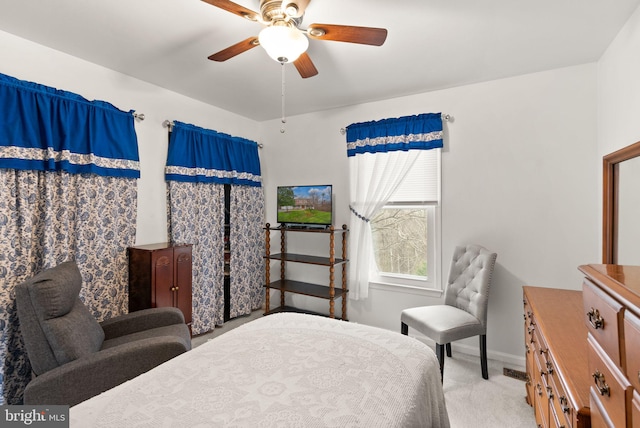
pixel 421 132
pixel 47 129
pixel 204 156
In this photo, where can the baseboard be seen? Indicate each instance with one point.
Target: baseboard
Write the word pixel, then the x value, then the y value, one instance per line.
pixel 513 361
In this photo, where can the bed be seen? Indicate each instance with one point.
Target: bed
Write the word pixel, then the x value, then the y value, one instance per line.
pixel 284 370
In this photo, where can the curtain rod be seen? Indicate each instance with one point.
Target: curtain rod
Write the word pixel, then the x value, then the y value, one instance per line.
pixel 444 117
pixel 169 124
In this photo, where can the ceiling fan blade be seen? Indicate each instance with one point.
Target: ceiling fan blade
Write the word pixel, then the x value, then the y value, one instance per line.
pixel 294 8
pixel 234 50
pixel 305 66
pixel 234 8
pixel 348 33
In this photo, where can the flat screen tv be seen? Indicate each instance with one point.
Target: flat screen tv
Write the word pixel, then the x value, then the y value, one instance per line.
pixel 305 206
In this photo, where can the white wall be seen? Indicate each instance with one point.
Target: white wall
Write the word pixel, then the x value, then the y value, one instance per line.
pixel 619 90
pixel 29 61
pixel 519 177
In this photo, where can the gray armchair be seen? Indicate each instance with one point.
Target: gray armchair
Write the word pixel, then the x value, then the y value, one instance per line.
pixel 464 312
pixel 73 357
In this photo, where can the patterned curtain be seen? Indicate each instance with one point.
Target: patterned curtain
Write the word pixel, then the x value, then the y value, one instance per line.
pixel 247 249
pixel 68 170
pixel 196 216
pixel 380 156
pixel 199 163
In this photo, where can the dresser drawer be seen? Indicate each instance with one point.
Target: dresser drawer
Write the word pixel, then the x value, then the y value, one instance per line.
pixel 635 410
pixel 610 386
pixel 599 417
pixel 560 403
pixel 603 318
pixel 632 348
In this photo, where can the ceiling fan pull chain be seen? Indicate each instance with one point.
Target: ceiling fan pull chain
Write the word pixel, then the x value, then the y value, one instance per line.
pixel 284 120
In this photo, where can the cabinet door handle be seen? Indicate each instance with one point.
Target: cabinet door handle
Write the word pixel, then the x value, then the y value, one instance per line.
pixel 595 319
pixel 601 384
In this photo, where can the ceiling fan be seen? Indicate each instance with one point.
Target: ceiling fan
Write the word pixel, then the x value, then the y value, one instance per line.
pixel 283 19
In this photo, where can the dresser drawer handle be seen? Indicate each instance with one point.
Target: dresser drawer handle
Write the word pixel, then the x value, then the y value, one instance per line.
pixel 602 386
pixel 549 367
pixel 564 404
pixel 595 319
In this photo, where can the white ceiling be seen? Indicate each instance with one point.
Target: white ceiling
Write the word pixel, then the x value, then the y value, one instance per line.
pixel 432 44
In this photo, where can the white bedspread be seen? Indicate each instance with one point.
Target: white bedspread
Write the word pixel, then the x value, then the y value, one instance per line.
pixel 283 370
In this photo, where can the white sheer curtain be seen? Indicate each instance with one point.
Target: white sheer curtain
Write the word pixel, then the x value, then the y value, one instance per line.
pixel 380 156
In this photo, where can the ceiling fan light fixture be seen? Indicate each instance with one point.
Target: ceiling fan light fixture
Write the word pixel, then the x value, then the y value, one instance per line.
pixel 283 43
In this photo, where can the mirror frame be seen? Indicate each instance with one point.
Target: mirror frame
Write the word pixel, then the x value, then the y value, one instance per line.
pixel 610 181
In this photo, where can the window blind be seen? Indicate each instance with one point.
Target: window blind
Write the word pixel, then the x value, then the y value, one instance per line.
pixel 421 184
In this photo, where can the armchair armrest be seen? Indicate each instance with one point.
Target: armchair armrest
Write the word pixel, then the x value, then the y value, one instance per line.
pixel 137 321
pixel 89 376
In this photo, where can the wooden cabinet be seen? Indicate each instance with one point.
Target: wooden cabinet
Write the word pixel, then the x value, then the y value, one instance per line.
pixel 556 357
pixel 329 291
pixel 159 276
pixel 611 314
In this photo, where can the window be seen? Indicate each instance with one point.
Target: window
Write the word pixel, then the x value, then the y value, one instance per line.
pixel 405 231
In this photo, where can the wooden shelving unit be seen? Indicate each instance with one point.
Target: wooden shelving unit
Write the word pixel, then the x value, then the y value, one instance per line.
pixel 329 292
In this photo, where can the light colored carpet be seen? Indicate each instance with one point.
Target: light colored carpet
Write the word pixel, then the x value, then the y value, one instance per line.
pixel 498 402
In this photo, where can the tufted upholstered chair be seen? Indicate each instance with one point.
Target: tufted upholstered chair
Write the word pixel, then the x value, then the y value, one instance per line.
pixel 464 312
pixel 74 357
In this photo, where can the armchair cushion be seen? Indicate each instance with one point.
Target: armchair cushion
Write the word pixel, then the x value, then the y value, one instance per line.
pixel 48 309
pixel 74 335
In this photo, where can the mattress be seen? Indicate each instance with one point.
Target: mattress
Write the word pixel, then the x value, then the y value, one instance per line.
pixel 283 370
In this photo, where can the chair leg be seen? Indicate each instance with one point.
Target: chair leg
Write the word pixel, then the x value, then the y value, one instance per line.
pixel 448 348
pixel 404 329
pixel 483 356
pixel 440 355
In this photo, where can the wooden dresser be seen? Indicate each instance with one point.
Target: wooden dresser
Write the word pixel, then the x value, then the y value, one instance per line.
pixel 612 317
pixel 556 357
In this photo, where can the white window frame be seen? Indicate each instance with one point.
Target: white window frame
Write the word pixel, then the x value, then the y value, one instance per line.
pixel 408 283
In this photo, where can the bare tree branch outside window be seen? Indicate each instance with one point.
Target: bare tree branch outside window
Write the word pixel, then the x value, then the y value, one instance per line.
pixel 400 241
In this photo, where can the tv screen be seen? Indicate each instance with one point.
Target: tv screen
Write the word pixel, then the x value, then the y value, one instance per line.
pixel 305 205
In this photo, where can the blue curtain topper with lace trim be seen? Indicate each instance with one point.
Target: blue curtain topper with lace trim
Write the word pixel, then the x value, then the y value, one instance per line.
pixel 205 156
pixel 419 132
pixel 47 129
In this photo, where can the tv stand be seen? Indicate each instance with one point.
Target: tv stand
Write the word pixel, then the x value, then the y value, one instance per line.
pixel 330 292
